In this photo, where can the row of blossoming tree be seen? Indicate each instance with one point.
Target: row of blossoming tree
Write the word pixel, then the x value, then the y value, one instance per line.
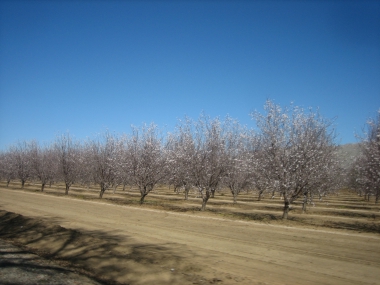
pixel 364 174
pixel 291 152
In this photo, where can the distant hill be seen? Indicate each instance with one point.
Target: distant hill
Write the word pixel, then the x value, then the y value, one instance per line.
pixel 347 153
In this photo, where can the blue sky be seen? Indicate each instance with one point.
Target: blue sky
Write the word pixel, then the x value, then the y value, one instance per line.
pixel 90 66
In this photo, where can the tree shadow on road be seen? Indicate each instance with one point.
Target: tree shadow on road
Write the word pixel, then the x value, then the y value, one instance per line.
pixel 19 266
pixel 108 257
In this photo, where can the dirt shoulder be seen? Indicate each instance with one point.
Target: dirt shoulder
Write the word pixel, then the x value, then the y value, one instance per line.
pixel 137 245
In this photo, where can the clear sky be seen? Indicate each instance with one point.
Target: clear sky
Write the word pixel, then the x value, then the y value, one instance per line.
pixel 90 66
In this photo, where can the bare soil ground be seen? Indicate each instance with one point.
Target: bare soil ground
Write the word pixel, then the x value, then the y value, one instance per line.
pixel 169 241
pixel 19 266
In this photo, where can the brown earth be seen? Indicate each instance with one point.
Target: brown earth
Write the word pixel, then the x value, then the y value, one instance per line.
pixel 20 267
pixel 168 241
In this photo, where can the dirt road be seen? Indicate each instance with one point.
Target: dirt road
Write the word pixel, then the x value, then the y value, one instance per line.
pixel 135 245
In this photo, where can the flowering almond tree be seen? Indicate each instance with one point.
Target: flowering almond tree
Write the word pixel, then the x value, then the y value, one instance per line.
pixel 297 147
pixel 238 175
pixel 146 159
pixel 102 158
pixel 181 153
pixel 21 158
pixel 209 159
pixel 367 166
pixel 43 162
pixel 69 159
pixel 7 167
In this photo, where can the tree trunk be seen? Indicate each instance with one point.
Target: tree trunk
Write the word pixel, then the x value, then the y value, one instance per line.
pixel 286 210
pixel 304 203
pixel 67 189
pixel 114 189
pixel 102 190
pixel 311 202
pixel 22 183
pixel 212 193
pixel 187 189
pixel 43 187
pixel 260 195
pixel 8 181
pixel 204 200
pixel 142 198
pixel 234 193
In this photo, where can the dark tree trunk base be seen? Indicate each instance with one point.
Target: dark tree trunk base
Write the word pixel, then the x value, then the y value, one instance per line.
pixel 204 200
pixel 286 211
pixel 142 198
pixel 235 198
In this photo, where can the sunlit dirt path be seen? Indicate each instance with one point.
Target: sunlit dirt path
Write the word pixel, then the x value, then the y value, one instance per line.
pixel 158 247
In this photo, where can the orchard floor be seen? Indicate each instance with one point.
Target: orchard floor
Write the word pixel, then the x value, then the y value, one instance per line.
pixel 169 241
